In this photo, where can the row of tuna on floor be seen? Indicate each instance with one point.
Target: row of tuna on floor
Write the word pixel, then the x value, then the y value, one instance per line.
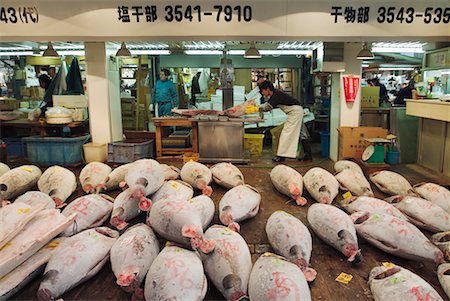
pixel 177 219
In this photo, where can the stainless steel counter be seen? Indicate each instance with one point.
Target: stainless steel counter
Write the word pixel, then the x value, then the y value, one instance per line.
pixel 221 139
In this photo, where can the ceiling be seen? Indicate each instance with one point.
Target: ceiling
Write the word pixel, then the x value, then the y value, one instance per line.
pixel 399 58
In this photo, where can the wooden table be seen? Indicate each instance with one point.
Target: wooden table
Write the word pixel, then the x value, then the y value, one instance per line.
pixel 175 121
pixel 42 128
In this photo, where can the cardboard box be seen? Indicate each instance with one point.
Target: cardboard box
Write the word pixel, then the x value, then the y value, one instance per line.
pixel 370 97
pixel 352 143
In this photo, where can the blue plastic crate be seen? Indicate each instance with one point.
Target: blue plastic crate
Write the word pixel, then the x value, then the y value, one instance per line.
pixel 55 150
pixel 15 147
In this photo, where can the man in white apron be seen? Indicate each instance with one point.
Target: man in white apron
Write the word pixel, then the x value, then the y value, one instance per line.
pixel 288 144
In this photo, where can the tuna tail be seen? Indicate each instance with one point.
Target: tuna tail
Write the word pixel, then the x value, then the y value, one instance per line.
pixel 99 187
pixel 126 279
pixel 58 202
pixel 88 188
pixel 122 185
pixel 206 190
pixel 301 201
pixel 226 218
pixel 144 203
pixel 233 283
pixel 118 222
pixel 349 246
pixel 45 294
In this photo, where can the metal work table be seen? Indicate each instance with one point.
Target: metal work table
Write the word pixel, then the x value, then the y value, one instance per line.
pixel 221 139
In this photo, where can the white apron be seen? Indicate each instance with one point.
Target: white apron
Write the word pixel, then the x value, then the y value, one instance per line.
pixel 288 144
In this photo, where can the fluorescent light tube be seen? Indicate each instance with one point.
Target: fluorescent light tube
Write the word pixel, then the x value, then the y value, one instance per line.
pixel 150 51
pixel 285 52
pixel 396 68
pixel 20 53
pixel 203 52
pixel 397 50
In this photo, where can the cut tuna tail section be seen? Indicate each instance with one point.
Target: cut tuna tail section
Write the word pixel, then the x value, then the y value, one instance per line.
pixel 126 279
pixel 144 203
pixel 203 186
pixel 118 222
pixel 88 188
pixel 350 247
pixel 226 218
pixel 233 283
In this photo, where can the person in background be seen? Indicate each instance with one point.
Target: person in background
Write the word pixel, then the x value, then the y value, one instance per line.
pixel 383 91
pixel 44 81
pixel 195 88
pixel 165 94
pixel 405 93
pixel 254 93
pixel 287 146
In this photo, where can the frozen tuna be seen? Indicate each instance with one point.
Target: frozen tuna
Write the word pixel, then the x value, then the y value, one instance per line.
pixel 238 204
pixel 289 182
pixel 132 255
pixel 422 213
pixel 91 210
pixel 239 110
pixel 335 227
pixel 18 180
pixel 13 219
pixel 399 284
pixel 27 271
pixel 93 177
pixel 174 189
pixel 355 182
pixel 176 274
pixel 205 207
pixel 198 175
pixel 36 198
pixel 170 172
pixel 290 238
pixel 227 175
pixel 46 225
pixel 70 266
pixel 396 236
pixel 442 241
pixel 229 266
pixel 3 168
pixel 346 164
pixel 274 278
pixel 125 208
pixel 59 183
pixel 391 183
pixel 321 185
pixel 144 177
pixel 443 272
pixel 372 205
pixel 434 193
pixel 178 221
pixel 116 178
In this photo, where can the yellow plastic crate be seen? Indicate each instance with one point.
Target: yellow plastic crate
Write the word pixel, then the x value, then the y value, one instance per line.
pixel 254 143
pixel 190 156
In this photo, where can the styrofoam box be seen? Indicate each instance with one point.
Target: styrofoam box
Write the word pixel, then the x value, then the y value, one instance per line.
pixel 204 105
pixel 70 101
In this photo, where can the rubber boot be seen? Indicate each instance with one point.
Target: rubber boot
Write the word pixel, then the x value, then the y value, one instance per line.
pixel 306 150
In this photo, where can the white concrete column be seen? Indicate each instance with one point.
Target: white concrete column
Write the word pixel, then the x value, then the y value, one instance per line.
pixel 344 113
pixel 102 77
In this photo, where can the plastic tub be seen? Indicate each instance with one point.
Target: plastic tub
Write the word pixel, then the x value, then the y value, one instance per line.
pixel 129 151
pixel 325 143
pixel 392 157
pixel 254 143
pixel 55 150
pixel 95 152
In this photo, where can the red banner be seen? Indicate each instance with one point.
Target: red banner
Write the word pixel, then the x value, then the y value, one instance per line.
pixel 351 87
